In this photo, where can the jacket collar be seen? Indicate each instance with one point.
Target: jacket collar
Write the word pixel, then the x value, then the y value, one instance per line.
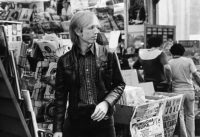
pixel 98 50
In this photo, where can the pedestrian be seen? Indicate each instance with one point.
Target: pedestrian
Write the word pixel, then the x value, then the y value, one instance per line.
pixel 89 79
pixel 183 69
pixel 154 63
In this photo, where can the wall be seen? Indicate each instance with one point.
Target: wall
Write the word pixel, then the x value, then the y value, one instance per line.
pixel 195 17
pixel 175 12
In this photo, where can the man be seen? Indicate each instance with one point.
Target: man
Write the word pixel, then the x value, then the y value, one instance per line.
pixel 91 76
pixel 183 73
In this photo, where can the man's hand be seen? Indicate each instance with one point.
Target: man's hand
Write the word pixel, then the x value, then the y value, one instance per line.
pixel 100 111
pixel 57 134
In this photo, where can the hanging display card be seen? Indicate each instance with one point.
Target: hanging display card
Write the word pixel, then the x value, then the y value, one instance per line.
pixel 113 42
pixel 147 120
pixel 157 118
pixel 130 77
pixel 170 115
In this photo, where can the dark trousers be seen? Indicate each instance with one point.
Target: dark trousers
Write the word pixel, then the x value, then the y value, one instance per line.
pixel 83 126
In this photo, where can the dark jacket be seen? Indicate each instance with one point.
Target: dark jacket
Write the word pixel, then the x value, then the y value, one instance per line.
pixel 109 83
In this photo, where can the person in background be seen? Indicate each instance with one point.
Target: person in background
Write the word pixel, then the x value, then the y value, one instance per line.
pixel 155 65
pixel 1 8
pixel 14 15
pixel 19 6
pixel 34 15
pixel 122 52
pixel 183 69
pixel 9 6
pixel 138 43
pixel 66 12
pixel 91 76
pixel 51 9
pixel 196 58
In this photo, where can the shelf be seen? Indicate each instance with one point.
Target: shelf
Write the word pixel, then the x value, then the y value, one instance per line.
pixel 6 21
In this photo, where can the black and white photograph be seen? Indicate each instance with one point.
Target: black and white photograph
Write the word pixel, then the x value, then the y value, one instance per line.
pixel 99 68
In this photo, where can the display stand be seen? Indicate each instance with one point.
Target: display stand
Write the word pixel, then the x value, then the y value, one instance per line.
pixel 157 117
pixel 12 64
pixel 11 117
pixel 13 31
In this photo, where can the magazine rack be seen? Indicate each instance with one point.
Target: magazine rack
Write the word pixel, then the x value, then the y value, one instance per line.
pixel 12 121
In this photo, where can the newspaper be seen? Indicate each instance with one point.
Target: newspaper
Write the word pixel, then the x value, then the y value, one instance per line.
pixel 157 118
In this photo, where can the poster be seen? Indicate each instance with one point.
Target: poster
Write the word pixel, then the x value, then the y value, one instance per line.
pixel 130 77
pixel 4 15
pixel 8 9
pixel 137 12
pixel 13 15
pixel 157 118
pixel 14 38
pixel 149 110
pixel 25 14
pixel 152 127
pixel 147 120
pixel 170 114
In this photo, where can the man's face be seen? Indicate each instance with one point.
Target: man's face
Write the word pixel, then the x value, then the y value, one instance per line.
pixel 90 31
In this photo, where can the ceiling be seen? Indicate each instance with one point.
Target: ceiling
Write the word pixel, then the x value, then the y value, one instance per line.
pixel 22 1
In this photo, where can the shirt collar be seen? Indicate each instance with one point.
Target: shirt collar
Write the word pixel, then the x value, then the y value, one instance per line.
pixel 92 49
pixel 176 56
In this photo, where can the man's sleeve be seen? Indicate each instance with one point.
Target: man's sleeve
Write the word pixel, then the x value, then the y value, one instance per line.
pixel 137 64
pixel 60 98
pixel 118 83
pixel 192 66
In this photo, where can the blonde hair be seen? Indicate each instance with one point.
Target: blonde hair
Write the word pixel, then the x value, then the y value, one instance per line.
pixel 78 21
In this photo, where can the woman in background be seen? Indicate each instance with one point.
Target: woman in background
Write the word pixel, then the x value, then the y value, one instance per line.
pixel 66 13
pixel 154 63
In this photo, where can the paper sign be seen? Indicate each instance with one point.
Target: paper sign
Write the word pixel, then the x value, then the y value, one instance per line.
pixel 113 42
pixel 130 77
pixel 147 120
pixel 149 110
pixel 79 4
pixel 148 88
pixel 170 114
pixel 152 127
pixel 156 119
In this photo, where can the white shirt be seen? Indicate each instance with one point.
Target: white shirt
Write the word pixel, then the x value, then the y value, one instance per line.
pixel 182 69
